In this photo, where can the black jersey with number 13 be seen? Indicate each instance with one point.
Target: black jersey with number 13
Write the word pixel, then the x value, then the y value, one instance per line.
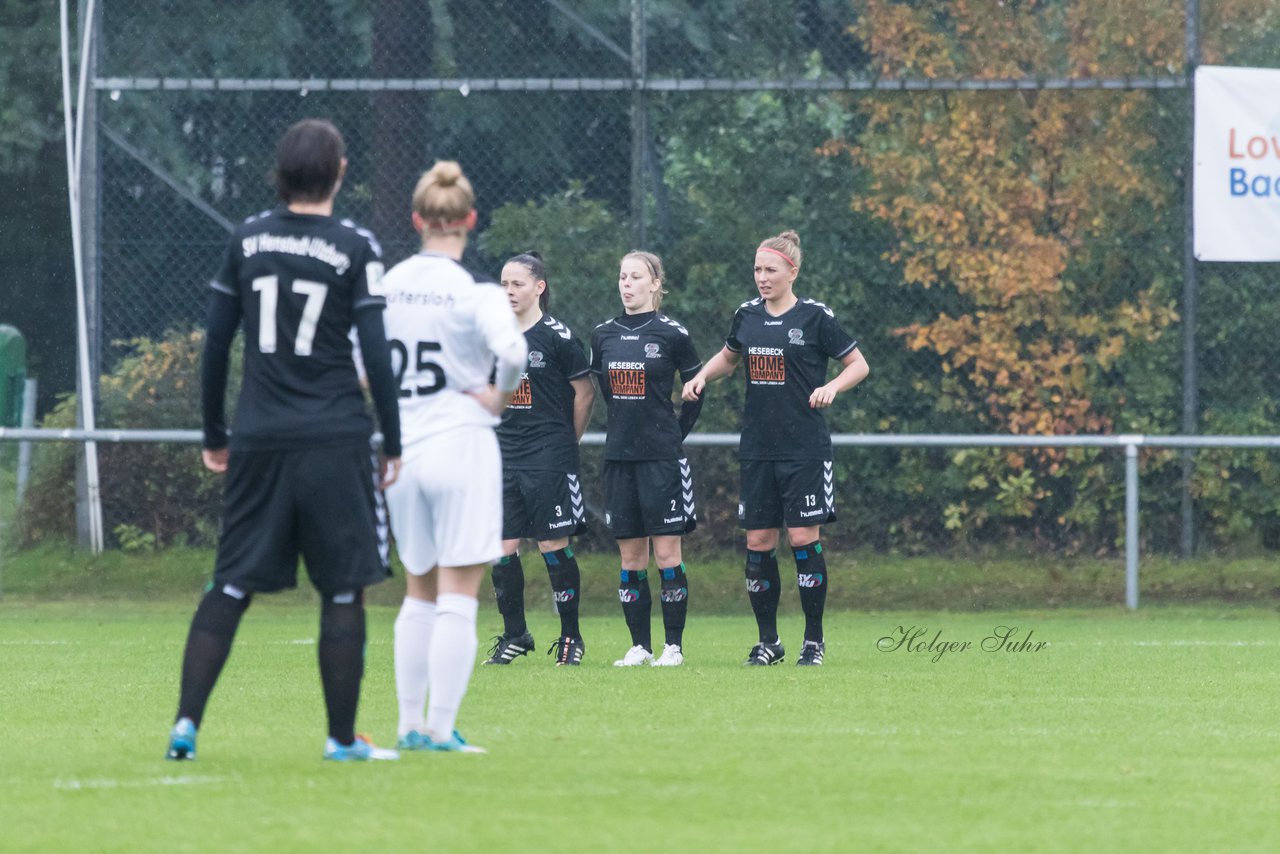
pixel 786 359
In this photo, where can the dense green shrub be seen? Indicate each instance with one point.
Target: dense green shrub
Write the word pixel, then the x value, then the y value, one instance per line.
pixel 153 494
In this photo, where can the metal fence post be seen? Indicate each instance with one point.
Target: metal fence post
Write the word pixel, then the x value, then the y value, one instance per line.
pixel 1190 289
pixel 24 448
pixel 1131 521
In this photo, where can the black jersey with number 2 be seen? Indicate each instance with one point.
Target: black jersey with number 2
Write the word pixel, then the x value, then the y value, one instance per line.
pixel 537 431
pixel 786 359
pixel 298 280
pixel 635 358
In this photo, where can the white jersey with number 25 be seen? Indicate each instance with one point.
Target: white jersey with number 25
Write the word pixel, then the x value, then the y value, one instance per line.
pixel 445 328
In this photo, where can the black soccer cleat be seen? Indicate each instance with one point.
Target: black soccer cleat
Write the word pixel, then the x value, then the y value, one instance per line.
pixel 811 654
pixel 568 651
pixel 764 654
pixel 505 650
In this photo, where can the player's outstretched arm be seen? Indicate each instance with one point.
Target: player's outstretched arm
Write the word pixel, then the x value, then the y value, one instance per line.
pixel 855 371
pixel 720 365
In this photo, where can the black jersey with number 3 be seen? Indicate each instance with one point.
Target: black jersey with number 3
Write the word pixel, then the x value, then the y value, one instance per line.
pixel 636 358
pixel 786 359
pixel 537 431
pixel 298 280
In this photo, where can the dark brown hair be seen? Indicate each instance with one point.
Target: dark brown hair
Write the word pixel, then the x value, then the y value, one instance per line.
pixel 308 161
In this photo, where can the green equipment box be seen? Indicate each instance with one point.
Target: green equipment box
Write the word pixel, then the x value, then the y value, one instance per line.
pixel 13 375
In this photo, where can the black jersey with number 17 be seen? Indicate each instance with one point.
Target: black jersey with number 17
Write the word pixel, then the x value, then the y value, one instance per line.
pixel 786 359
pixel 635 358
pixel 298 280
pixel 537 430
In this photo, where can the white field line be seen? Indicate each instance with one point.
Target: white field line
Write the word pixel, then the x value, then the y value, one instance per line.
pixel 73 785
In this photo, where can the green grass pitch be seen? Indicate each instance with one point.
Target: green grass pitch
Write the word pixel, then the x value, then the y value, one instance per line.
pixel 1155 731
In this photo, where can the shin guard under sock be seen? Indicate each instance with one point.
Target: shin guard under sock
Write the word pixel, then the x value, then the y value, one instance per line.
pixel 811 578
pixel 764 587
pixel 637 605
pixel 413 630
pixel 566 582
pixel 453 656
pixel 675 603
pixel 508 587
pixel 213 628
pixel 341 653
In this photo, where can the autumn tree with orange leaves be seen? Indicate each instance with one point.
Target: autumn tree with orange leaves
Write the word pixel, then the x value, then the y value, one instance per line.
pixel 1006 199
pixel 991 194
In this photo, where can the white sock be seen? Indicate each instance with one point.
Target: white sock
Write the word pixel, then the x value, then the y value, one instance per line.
pixel 453 656
pixel 413 644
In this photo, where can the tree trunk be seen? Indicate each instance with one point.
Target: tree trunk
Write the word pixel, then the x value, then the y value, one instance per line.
pixel 402 39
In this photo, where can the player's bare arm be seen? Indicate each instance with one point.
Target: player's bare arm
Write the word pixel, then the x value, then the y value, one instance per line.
pixel 584 396
pixel 855 371
pixel 720 365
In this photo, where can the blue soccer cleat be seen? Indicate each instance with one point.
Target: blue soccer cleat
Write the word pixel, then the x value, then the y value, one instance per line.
pixel 182 740
pixel 413 740
pixel 360 750
pixel 454 744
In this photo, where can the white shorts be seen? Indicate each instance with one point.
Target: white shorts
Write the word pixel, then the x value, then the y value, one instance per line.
pixel 446 506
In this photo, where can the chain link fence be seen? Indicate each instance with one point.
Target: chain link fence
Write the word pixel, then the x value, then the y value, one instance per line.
pixel 697 129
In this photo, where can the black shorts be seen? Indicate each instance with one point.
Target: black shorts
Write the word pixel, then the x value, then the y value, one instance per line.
pixel 648 498
pixel 318 502
pixel 791 493
pixel 541 505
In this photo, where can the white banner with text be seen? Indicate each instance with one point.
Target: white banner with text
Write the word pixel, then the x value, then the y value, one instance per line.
pixel 1237 164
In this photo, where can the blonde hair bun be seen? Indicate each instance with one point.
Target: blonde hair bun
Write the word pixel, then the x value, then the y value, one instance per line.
pixel 446 173
pixel 444 198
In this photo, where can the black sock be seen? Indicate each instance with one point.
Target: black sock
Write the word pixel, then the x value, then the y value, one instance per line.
pixel 566 580
pixel 508 586
pixel 637 604
pixel 208 644
pixel 811 578
pixel 342 637
pixel 764 587
pixel 675 602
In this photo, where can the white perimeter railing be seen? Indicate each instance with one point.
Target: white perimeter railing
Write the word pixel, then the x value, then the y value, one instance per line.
pixel 1129 442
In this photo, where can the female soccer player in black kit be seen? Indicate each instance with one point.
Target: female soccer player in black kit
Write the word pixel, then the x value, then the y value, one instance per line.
pixel 785 450
pixel 647 481
pixel 539 434
pixel 300 477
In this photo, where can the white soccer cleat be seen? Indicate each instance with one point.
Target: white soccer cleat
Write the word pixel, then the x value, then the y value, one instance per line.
pixel 635 657
pixel 671 656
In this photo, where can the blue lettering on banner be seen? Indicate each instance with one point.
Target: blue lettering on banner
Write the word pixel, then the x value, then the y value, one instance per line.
pixel 1257 186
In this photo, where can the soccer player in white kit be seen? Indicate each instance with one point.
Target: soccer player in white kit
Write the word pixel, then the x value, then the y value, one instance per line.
pixel 445 326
